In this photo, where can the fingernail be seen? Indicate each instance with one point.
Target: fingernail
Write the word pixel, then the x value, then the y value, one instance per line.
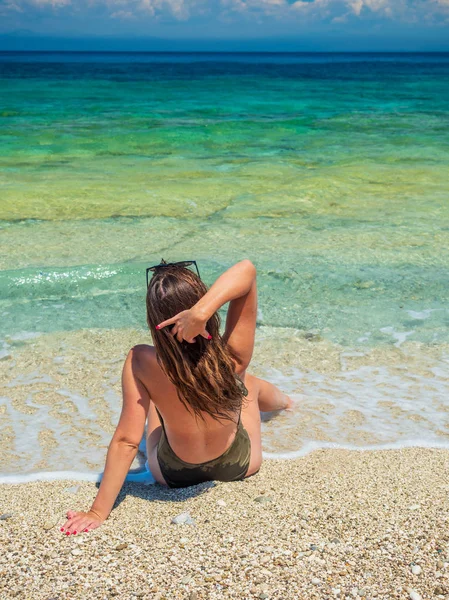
pixel 209 337
pixel 67 532
pixel 74 533
pixel 86 530
pixel 62 528
pixel 158 326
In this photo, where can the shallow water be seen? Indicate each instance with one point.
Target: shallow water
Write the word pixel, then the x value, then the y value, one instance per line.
pixel 329 172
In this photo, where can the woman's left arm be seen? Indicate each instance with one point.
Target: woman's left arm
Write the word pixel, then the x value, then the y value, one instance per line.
pixel 122 449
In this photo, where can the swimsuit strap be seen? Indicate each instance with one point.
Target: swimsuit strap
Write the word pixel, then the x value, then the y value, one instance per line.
pixel 160 418
pixel 244 391
pixel 242 387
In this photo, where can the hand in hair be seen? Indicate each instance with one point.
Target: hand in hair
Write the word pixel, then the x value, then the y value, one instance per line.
pixel 187 325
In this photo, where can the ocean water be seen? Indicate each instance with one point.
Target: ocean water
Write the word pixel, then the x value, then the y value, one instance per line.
pixel 329 171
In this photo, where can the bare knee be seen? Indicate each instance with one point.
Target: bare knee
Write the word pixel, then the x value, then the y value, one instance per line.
pixel 270 397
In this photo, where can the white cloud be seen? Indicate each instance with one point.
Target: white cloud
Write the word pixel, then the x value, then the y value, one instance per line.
pixel 356 6
pixel 235 5
pixel 20 6
pixel 386 6
pixel 178 8
pixel 336 11
pixel 54 3
pixel 12 6
pixel 340 18
pixel 120 9
pixel 268 7
pixel 122 14
pixel 340 10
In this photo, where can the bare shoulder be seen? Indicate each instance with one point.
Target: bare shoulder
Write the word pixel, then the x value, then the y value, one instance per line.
pixel 143 358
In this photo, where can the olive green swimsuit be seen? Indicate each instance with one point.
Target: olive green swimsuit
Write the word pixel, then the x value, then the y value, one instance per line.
pixel 232 465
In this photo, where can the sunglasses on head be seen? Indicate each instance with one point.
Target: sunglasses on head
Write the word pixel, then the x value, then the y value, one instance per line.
pixel 163 265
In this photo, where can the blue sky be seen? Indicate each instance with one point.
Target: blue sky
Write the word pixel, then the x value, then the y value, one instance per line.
pixel 222 24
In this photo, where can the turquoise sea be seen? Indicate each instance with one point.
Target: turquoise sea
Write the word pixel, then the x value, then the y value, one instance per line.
pixel 329 171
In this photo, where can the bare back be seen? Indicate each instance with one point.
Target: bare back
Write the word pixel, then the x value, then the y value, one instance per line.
pixel 194 440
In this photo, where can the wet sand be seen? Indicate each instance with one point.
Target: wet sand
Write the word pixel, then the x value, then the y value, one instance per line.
pixel 60 395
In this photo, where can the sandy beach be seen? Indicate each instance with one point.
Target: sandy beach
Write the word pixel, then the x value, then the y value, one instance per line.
pixel 333 524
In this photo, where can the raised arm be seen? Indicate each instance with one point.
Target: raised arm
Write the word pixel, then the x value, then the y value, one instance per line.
pixel 233 284
pixel 237 285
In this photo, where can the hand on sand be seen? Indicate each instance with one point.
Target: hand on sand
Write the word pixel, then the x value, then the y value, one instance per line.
pixel 187 325
pixel 81 522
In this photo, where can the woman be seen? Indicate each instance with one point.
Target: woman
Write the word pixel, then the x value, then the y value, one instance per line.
pixel 202 405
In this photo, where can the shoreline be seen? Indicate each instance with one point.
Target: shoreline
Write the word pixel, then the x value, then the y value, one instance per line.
pixel 332 524
pixel 309 449
pixel 60 396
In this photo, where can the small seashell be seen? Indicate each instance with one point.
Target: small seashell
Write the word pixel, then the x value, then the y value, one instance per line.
pixel 122 546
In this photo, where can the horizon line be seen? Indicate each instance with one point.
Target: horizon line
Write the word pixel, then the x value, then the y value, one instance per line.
pixel 226 51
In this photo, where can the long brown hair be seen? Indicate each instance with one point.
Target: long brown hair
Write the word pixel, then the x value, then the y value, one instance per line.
pixel 203 372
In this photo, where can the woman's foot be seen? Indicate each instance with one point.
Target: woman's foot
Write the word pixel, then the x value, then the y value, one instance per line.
pixel 288 402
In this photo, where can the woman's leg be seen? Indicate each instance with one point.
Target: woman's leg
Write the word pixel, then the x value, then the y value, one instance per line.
pixel 270 397
pixel 153 435
pixel 265 397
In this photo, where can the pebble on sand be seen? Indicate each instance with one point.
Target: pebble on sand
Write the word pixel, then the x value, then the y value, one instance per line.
pixel 413 594
pixel 50 523
pixel 416 570
pixel 263 499
pixel 183 518
pixel 336 591
pixel 5 516
pixel 121 546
